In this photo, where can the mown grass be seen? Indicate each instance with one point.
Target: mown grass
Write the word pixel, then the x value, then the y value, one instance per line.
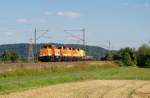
pixel 29 78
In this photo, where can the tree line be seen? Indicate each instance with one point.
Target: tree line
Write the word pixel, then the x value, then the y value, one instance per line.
pixel 9 56
pixel 131 57
pixel 125 57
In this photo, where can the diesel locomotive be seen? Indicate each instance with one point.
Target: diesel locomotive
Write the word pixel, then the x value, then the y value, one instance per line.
pixel 50 53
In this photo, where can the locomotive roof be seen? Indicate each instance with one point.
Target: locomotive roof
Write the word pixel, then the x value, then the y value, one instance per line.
pixel 64 46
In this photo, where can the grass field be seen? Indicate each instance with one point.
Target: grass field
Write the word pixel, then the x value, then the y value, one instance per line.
pixel 29 78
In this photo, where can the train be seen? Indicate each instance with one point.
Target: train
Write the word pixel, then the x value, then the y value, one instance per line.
pixel 51 53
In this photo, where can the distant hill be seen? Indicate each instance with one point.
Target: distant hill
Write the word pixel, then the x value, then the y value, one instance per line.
pixel 22 49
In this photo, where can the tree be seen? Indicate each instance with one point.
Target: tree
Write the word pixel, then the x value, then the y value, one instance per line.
pixel 128 56
pixel 116 56
pixel 109 55
pixel 126 59
pixel 9 56
pixel 143 56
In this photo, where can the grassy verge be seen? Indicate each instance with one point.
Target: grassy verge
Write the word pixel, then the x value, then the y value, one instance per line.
pixel 24 79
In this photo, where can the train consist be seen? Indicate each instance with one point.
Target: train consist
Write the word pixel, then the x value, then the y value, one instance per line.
pixel 50 53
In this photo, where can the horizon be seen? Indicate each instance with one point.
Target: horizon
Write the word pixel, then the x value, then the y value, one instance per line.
pixel 124 23
pixel 71 44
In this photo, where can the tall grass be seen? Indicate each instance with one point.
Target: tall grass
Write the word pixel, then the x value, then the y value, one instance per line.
pixel 28 78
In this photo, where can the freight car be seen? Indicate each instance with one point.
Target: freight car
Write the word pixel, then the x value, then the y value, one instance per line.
pixel 50 53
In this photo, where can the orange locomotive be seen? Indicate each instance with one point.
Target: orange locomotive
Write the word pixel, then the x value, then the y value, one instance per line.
pixel 52 53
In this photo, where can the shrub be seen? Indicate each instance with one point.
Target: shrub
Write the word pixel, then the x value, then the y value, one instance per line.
pixel 128 56
pixel 108 56
pixel 9 56
pixel 143 56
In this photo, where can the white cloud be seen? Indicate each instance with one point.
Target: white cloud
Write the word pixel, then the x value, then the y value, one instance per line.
pixel 136 5
pixel 68 14
pixel 30 21
pixel 146 5
pixel 141 6
pixel 24 21
pixel 48 13
pixel 42 20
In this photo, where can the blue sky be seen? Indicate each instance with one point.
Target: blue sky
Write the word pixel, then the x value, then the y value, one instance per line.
pixel 123 22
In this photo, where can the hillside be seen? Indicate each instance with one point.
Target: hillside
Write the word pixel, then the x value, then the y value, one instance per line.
pixel 22 49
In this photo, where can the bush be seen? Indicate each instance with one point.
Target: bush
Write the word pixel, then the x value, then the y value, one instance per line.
pixel 9 56
pixel 108 56
pixel 143 56
pixel 147 63
pixel 128 57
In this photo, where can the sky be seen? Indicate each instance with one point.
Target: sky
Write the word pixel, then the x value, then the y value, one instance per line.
pixel 125 23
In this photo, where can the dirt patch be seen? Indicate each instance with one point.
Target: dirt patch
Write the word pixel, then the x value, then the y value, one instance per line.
pixel 89 89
